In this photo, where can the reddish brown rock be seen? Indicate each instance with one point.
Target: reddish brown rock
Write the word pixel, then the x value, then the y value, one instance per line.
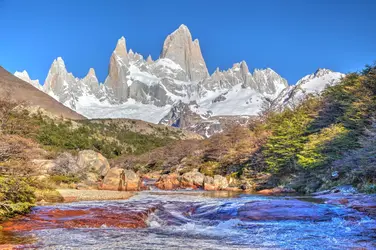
pixel 86 217
pixel 209 187
pixel 361 202
pixel 168 182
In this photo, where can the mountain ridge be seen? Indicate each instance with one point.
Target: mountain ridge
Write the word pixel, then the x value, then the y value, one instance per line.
pixel 150 90
pixel 17 90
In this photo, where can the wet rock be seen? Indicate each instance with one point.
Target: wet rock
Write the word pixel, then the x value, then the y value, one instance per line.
pixel 121 180
pixel 80 217
pixel 363 203
pixel 283 210
pixel 360 202
pixel 93 162
pixel 168 182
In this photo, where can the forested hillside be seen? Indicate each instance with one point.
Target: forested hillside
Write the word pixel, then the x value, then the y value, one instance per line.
pixel 326 140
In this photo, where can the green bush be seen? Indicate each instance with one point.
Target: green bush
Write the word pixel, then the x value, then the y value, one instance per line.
pixel 16 196
pixel 16 190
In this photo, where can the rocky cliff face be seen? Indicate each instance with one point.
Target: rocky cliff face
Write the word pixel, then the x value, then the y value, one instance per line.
pixel 118 70
pixel 180 48
pixel 176 89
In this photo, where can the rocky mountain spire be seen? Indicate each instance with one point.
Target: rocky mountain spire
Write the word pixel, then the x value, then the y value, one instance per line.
pixel 61 84
pixel 90 82
pixel 121 51
pixel 180 48
pixel 149 59
pixel 116 80
pixel 56 78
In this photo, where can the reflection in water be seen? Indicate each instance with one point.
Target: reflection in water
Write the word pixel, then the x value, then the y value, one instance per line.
pixel 206 220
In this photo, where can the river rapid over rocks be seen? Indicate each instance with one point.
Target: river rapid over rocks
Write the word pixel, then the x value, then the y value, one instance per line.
pixel 194 220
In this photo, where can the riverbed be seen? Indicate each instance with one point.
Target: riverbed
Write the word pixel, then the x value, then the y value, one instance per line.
pixel 193 220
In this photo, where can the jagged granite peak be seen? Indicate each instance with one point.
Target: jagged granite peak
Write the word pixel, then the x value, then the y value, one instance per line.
pixel 91 73
pixel 90 82
pixel 121 50
pixel 56 74
pixel 176 88
pixel 267 81
pixel 62 85
pixel 116 81
pixel 180 48
pixel 25 76
pixel 149 60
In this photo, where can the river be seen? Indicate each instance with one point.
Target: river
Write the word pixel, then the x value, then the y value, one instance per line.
pixel 194 220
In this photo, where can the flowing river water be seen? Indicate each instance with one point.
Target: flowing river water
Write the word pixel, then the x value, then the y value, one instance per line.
pixel 193 220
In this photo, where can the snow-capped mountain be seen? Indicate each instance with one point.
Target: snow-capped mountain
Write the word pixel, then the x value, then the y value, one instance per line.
pixel 175 89
pixel 310 84
pixel 25 76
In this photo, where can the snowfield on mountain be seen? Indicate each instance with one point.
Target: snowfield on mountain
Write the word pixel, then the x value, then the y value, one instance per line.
pixel 152 91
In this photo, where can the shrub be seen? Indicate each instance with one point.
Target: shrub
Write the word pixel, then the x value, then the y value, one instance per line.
pixel 16 190
pixel 209 168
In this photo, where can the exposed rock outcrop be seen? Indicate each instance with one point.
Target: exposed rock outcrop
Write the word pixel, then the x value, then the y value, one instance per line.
pixel 177 88
pixel 168 182
pixel 193 180
pixel 180 48
pixel 120 179
pixel 118 70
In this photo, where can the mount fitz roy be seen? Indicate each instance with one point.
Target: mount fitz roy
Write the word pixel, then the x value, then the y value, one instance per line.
pixel 176 89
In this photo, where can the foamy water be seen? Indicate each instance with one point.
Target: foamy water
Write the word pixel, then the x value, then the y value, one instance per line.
pixel 190 220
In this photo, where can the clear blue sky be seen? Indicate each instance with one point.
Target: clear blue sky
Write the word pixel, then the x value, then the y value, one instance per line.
pixel 292 37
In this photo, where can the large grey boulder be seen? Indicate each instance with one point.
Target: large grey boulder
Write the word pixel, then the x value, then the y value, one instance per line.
pixel 91 161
